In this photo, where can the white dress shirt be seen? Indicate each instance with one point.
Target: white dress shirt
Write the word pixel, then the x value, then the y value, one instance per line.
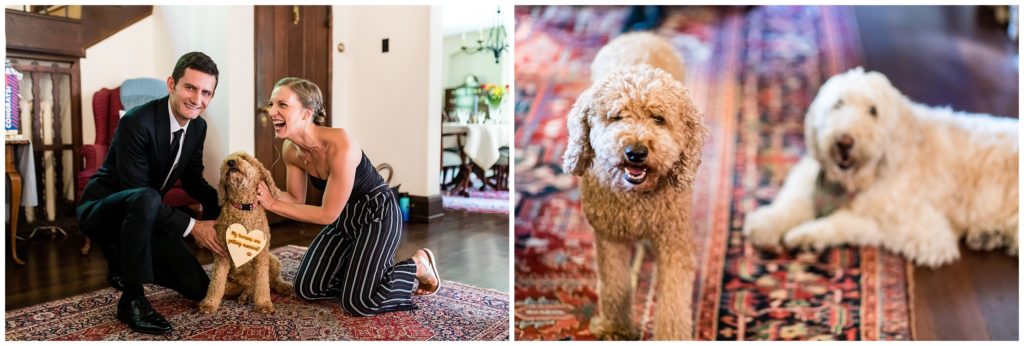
pixel 181 143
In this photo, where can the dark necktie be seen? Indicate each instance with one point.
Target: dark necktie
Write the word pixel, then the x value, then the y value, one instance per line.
pixel 175 143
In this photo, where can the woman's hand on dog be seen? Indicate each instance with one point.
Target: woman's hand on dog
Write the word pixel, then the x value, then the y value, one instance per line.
pixel 264 197
pixel 206 236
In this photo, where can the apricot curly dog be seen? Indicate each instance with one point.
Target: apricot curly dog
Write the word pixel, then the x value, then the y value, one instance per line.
pixel 635 139
pixel 239 175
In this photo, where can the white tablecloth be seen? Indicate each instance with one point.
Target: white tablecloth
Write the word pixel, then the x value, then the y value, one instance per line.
pixel 482 141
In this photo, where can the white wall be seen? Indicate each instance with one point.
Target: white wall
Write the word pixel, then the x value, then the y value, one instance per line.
pixel 388 100
pixel 457 64
pixel 225 33
pixel 125 55
pixel 434 103
pixel 151 47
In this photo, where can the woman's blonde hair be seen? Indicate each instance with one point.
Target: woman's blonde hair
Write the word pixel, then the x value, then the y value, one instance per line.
pixel 309 95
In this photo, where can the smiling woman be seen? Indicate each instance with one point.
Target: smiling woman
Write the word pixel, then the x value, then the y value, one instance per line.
pixel 360 210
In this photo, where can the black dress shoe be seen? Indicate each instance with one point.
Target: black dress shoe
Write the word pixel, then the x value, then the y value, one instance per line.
pixel 141 317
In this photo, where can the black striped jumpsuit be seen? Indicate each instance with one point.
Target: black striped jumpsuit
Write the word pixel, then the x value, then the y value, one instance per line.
pixel 353 257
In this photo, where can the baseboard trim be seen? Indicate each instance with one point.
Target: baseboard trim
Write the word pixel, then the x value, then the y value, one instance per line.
pixel 425 209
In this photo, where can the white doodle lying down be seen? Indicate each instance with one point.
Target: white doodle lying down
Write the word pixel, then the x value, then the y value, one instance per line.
pixel 883 170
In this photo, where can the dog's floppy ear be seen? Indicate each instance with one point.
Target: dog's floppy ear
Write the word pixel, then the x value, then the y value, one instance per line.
pixel 693 134
pixel 810 137
pixel 222 197
pixel 894 108
pixel 578 153
pixel 264 174
pixel 823 101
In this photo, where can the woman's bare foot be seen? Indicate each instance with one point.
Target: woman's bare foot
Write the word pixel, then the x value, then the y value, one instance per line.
pixel 426 273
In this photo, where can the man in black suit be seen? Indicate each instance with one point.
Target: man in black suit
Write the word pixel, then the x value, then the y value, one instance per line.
pixel 121 209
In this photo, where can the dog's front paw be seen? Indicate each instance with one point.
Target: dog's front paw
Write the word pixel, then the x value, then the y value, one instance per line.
pixel 606 329
pixel 809 235
pixel 762 229
pixel 984 241
pixel 207 306
pixel 264 307
pixel 936 253
pixel 673 330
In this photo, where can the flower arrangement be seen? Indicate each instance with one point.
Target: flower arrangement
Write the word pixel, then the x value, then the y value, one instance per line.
pixel 493 93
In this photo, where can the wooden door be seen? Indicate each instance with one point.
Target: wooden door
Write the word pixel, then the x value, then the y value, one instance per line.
pixel 291 41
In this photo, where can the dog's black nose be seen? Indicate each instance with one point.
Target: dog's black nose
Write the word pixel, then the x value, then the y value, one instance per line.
pixel 844 143
pixel 231 163
pixel 636 153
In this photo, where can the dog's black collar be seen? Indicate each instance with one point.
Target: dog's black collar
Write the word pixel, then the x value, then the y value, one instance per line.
pixel 245 207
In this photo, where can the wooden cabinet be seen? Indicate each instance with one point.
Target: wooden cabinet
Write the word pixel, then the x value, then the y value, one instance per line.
pixel 47 51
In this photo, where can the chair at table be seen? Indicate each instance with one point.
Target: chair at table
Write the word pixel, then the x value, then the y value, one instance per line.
pixel 453 160
pixel 451 166
pixel 498 179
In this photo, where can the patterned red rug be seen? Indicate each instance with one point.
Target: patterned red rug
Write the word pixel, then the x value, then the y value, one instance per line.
pixel 753 71
pixel 457 312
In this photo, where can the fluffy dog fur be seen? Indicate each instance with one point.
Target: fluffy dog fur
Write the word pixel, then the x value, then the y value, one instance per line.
pixel 919 177
pixel 633 104
pixel 257 277
pixel 637 48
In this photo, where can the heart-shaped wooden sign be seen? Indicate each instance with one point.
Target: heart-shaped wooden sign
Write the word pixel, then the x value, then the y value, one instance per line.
pixel 244 245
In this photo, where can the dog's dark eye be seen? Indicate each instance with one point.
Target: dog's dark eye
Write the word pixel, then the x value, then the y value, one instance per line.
pixel 615 117
pixel 873 111
pixel 660 120
pixel 838 104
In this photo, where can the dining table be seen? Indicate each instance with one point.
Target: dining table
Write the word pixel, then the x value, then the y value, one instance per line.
pixel 481 145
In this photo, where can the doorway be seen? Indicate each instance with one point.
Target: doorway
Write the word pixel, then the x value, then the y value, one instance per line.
pixel 291 41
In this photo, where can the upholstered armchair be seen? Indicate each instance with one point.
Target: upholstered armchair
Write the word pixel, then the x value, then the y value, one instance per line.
pixel 106 105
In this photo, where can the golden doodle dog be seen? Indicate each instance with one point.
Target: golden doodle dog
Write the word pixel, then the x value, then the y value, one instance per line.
pixel 635 139
pixel 240 173
pixel 882 170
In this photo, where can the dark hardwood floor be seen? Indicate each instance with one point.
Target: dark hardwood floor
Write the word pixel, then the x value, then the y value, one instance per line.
pixel 954 56
pixel 471 248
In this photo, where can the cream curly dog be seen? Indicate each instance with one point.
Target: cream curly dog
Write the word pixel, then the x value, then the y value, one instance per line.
pixel 635 139
pixel 240 173
pixel 883 170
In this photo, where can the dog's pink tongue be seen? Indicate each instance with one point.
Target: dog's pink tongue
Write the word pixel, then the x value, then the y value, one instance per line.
pixel 634 170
